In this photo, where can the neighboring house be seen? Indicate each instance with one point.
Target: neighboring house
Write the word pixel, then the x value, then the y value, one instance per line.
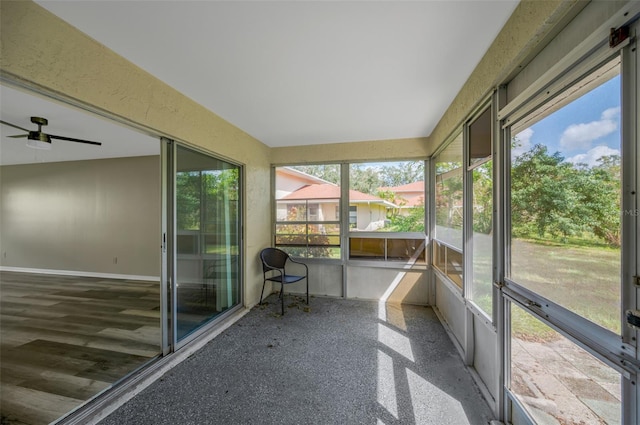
pixel 289 180
pixel 293 188
pixel 407 195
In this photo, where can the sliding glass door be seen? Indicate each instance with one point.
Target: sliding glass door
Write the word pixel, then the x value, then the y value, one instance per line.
pixel 204 224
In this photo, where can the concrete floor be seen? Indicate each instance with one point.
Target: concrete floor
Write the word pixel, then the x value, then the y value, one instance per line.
pixel 339 362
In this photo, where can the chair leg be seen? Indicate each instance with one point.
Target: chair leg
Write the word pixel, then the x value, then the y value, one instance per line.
pixel 262 293
pixel 282 293
pixel 307 290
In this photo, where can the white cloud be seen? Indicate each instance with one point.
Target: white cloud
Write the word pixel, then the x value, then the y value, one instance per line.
pixel 580 136
pixel 611 114
pixel 524 142
pixel 591 157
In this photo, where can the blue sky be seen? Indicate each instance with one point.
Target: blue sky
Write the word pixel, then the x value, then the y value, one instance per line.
pixel 582 131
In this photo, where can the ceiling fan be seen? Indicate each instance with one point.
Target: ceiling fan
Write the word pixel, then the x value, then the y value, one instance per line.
pixel 39 140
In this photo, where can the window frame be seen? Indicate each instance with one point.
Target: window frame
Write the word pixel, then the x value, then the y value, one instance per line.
pixel 385 237
pixel 344 221
pixel 488 105
pixel 617 351
pixel 436 242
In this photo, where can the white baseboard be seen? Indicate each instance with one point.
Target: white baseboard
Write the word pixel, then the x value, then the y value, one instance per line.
pixel 78 273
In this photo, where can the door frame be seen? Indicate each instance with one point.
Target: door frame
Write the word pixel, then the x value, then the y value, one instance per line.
pixel 617 351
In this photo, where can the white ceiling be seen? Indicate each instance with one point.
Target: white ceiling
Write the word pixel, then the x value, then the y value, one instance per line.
pixel 298 72
pixel 17 107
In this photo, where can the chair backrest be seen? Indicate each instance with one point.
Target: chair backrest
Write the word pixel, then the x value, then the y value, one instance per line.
pixel 273 257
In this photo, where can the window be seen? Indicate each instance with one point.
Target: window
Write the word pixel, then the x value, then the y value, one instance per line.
pixel 388 249
pixel 388 196
pixel 387 211
pixel 314 212
pixel 481 178
pixel 566 199
pixel 308 210
pixel 447 253
pixel 480 138
pixel 353 217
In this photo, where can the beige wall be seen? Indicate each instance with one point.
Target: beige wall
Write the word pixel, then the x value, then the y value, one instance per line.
pixel 42 52
pixel 100 216
pixel 415 148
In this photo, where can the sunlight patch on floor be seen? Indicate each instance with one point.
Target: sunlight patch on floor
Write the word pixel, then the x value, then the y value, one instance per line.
pixel 439 402
pixel 396 341
pixel 387 384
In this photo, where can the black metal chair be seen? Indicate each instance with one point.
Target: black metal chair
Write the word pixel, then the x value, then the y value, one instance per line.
pixel 274 261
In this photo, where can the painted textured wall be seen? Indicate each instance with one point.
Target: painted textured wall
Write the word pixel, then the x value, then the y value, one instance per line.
pixel 572 34
pixel 415 148
pixel 100 216
pixel 44 53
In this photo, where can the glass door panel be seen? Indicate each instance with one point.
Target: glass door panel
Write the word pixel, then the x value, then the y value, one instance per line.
pixel 566 199
pixel 482 248
pixel 207 224
pixel 480 179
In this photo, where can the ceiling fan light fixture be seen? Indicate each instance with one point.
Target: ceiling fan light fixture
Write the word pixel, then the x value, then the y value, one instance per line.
pixel 39 140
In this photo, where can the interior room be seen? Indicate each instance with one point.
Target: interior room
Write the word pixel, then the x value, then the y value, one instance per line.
pixel 477 159
pixel 79 275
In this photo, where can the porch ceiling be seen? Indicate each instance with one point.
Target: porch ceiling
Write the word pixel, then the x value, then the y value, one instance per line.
pixel 303 72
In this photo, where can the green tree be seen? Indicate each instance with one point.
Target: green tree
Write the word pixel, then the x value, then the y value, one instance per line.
pixel 365 179
pixel 483 198
pixel 554 197
pixel 328 172
pixel 449 194
pixel 598 198
pixel 541 199
pixel 403 173
pixel 188 194
pixel 413 222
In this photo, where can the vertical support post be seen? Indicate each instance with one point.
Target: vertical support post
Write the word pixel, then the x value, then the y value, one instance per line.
pixel 500 203
pixel 630 105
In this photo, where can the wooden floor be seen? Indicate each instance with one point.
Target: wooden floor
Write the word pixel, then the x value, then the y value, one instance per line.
pixel 63 339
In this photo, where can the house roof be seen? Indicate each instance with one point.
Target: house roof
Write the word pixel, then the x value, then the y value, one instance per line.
pixel 331 191
pixel 411 187
pixel 300 175
pixel 413 202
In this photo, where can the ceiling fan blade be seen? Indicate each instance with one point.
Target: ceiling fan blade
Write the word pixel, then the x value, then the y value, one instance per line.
pixel 19 136
pixel 71 139
pixel 13 125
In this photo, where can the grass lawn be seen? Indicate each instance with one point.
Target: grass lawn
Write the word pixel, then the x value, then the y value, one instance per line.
pixel 583 278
